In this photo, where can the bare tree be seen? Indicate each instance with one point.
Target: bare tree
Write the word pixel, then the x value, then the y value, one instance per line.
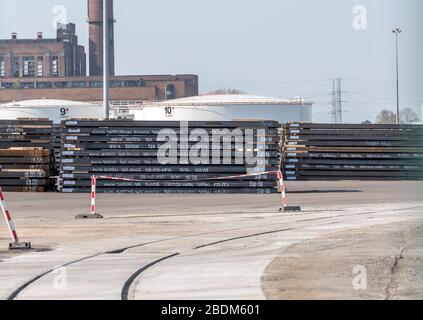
pixel 386 117
pixel 408 116
pixel 225 91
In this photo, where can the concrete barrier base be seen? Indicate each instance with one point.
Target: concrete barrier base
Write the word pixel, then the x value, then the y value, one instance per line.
pixel 20 246
pixel 88 216
pixel 291 209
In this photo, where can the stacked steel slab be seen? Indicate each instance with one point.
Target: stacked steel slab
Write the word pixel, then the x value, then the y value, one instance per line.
pixel 352 152
pixel 25 155
pixel 56 149
pixel 129 149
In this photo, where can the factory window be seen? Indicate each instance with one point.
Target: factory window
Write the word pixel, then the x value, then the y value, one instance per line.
pixel 132 83
pixel 7 85
pixel 116 84
pixel 60 84
pixel 79 84
pixel 2 68
pixel 55 66
pixel 190 82
pixel 170 91
pixel 96 84
pixel 16 67
pixel 40 67
pixel 27 85
pixel 29 66
pixel 44 85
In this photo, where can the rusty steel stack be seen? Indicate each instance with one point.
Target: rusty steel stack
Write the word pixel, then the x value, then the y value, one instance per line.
pixel 25 155
pixel 352 152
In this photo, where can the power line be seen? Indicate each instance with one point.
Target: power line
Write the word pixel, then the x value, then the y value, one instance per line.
pixel 382 94
pixel 385 81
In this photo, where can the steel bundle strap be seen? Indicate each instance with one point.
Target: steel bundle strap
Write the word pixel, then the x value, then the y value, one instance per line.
pixel 8 218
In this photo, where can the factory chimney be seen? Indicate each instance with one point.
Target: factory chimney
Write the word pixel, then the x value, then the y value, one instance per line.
pixel 95 21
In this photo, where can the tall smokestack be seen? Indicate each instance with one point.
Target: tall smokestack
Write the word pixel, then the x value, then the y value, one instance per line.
pixel 95 21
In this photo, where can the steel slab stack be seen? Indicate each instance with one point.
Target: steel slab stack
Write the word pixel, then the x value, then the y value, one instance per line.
pixel 352 152
pixel 128 149
pixel 56 149
pixel 25 155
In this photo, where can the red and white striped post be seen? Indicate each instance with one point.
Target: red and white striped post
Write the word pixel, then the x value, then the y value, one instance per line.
pixel 285 206
pixel 282 189
pixel 11 225
pixel 8 218
pixel 93 192
pixel 92 214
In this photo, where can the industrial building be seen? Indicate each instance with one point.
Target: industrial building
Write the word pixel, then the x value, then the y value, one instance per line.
pixel 228 108
pixel 123 89
pixel 42 68
pixel 39 57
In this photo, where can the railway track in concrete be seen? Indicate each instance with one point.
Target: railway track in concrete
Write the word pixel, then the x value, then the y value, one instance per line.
pixel 203 248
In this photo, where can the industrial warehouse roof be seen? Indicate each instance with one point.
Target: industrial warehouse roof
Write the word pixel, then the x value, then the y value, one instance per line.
pixel 233 99
pixel 44 103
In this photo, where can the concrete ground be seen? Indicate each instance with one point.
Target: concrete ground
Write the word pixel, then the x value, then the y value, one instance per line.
pixel 220 247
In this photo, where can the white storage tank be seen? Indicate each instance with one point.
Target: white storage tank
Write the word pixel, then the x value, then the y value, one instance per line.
pixel 55 110
pixel 227 108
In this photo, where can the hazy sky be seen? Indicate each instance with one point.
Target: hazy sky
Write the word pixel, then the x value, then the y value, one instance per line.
pixel 282 48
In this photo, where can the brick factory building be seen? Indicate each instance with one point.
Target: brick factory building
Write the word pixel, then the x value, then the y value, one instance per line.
pixel 56 68
pixel 39 57
pixel 128 90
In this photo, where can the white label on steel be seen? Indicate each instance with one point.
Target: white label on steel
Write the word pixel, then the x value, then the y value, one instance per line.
pixel 292 160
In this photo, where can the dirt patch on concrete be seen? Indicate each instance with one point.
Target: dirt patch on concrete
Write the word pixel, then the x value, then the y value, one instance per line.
pixel 387 260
